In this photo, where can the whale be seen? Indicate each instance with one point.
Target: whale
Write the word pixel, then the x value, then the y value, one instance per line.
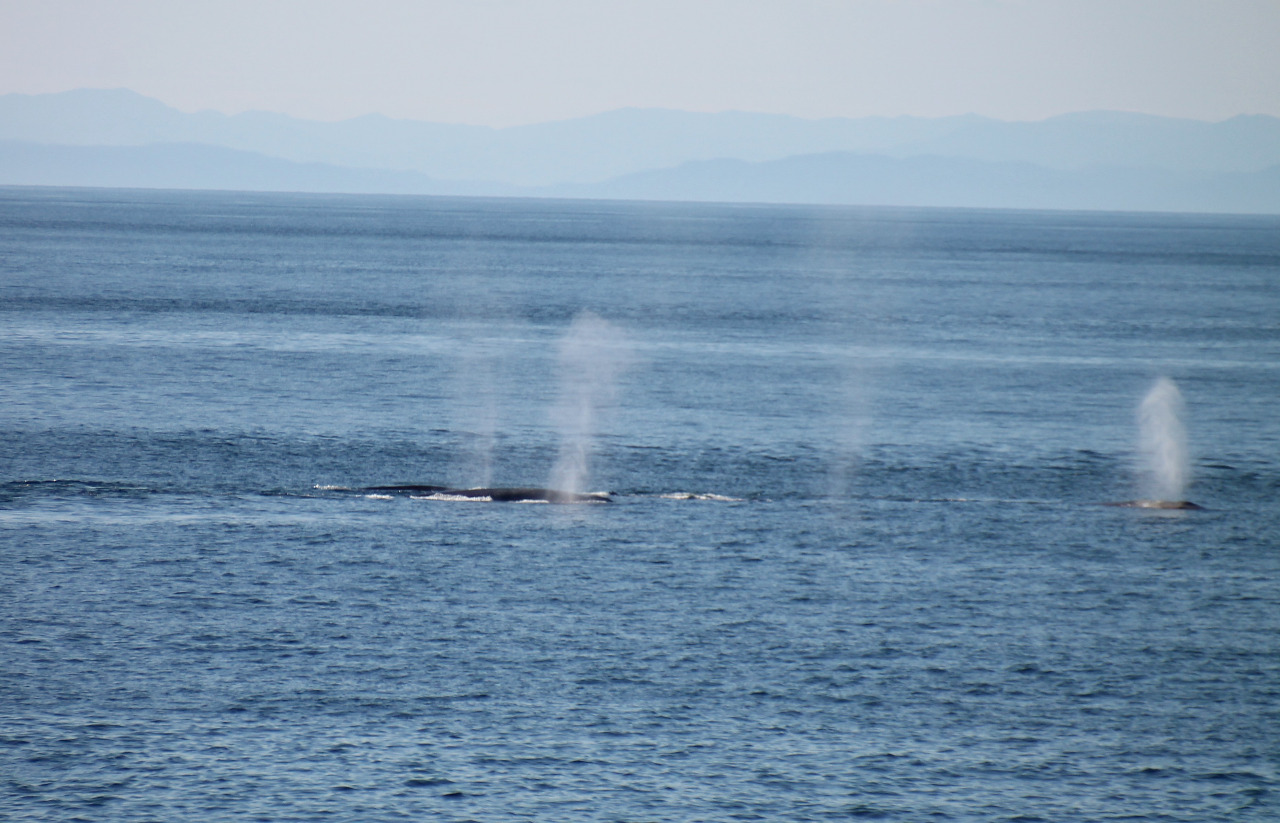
pixel 497 494
pixel 1183 505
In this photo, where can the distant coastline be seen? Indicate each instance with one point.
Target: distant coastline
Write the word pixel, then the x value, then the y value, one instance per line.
pixel 1089 161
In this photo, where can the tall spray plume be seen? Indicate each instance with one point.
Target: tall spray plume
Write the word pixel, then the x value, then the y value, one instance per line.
pixel 1163 443
pixel 592 355
pixel 475 380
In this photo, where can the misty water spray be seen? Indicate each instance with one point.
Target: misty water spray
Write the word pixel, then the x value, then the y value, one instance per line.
pixel 592 355
pixel 1163 443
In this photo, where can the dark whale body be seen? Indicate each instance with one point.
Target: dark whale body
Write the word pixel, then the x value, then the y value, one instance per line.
pixel 496 494
pixel 1184 505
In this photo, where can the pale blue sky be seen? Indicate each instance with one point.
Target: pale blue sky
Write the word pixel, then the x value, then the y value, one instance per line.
pixel 500 62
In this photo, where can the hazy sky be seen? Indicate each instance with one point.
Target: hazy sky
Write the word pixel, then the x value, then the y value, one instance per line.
pixel 500 62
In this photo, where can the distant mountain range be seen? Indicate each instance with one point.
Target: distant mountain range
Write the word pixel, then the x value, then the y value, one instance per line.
pixel 1092 160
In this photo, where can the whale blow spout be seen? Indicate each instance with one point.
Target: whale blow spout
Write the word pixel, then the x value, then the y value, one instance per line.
pixel 1165 470
pixel 592 356
pixel 1163 443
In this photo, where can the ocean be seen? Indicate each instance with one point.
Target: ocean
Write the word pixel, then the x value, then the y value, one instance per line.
pixel 857 561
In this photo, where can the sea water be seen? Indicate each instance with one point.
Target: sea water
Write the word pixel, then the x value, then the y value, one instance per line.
pixel 856 565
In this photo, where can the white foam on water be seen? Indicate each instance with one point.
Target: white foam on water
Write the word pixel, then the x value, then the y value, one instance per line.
pixel 453 498
pixel 695 496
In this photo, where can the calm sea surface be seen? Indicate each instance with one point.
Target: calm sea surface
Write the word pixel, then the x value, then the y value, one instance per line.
pixel 857 565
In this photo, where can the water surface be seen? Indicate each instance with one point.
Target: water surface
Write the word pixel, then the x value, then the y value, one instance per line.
pixel 855 566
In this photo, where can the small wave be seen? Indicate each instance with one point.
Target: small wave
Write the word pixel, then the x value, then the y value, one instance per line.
pixel 332 488
pixel 379 497
pixel 453 498
pixel 694 496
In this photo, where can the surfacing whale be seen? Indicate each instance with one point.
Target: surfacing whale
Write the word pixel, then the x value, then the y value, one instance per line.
pixel 1184 505
pixel 496 494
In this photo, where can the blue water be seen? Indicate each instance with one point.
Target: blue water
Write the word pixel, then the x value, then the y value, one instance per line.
pixel 856 566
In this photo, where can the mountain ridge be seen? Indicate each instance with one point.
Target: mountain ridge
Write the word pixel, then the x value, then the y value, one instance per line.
pixel 654 154
pixel 834 178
